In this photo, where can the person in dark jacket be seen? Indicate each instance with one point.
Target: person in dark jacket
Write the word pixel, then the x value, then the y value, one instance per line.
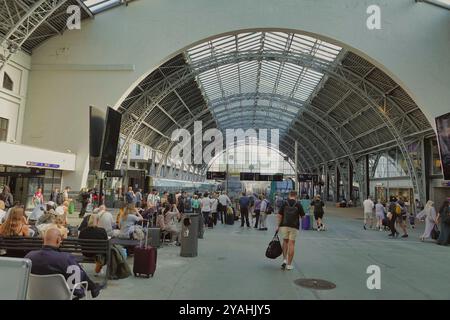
pixel 444 219
pixel 84 199
pixel 318 206
pixel 93 231
pixel 392 216
pixel 49 260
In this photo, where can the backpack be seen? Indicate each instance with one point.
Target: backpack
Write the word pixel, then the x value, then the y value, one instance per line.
pixel 119 265
pixel 290 216
pixel 59 198
pixel 129 197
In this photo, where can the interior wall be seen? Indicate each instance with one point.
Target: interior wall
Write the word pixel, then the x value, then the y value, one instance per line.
pixel 13 102
pixel 99 64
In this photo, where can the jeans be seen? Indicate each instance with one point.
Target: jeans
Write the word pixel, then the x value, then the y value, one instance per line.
pixel 214 217
pixel 206 216
pixel 263 220
pixel 244 215
pixel 223 214
pixel 257 214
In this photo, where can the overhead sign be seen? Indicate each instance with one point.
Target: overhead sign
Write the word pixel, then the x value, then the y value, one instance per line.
pixel 216 175
pixel 42 165
pixel 250 176
pixel 305 177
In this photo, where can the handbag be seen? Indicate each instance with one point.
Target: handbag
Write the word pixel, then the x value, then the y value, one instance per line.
pixel 274 249
pixel 435 233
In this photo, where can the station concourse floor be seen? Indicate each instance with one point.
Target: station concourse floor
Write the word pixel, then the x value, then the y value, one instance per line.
pixel 231 264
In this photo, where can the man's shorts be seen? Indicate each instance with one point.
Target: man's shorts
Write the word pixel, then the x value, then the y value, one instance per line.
pixel 368 215
pixel 288 233
pixel 318 215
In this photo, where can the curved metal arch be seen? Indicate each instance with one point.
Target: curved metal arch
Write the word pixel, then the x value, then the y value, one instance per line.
pixel 338 72
pixel 297 121
pixel 27 24
pixel 166 154
pixel 334 135
pixel 283 99
pixel 225 150
pixel 330 151
pixel 317 115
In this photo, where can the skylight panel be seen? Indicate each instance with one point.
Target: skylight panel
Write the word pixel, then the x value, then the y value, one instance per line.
pixel 99 5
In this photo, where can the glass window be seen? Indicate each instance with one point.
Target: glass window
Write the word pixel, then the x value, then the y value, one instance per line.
pixel 3 129
pixel 138 150
pixel 436 161
pixel 8 84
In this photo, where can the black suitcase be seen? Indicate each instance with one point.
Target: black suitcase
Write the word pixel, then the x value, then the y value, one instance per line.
pixel 229 219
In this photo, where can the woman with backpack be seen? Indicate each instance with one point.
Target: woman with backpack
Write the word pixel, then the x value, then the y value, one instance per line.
pixel 429 214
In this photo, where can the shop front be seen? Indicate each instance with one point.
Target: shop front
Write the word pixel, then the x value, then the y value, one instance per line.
pixel 24 182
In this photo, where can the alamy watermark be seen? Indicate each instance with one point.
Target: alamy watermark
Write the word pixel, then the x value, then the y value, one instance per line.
pixel 374 280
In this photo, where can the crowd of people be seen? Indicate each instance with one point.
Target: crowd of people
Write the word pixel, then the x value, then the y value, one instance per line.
pixel 393 215
pixel 139 211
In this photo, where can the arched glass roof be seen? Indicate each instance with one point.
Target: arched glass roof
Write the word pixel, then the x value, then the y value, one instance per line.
pixel 257 76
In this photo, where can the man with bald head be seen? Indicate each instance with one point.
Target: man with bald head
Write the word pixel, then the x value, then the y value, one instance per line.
pixel 49 260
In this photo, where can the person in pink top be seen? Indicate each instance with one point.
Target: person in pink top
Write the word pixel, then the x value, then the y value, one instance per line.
pixel 38 198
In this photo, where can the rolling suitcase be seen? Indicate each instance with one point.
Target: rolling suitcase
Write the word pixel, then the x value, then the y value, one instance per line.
pixel 144 259
pixel 154 235
pixel 229 219
pixel 306 222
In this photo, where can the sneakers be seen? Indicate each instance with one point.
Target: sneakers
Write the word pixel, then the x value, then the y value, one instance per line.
pixel 283 265
pixel 289 267
pixel 405 236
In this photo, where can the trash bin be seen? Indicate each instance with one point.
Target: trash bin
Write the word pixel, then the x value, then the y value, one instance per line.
pixel 189 235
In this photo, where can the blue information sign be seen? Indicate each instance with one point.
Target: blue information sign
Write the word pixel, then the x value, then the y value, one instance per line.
pixel 42 164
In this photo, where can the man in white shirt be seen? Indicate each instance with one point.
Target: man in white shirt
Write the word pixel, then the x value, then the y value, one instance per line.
pixel 224 203
pixel 153 200
pixel 105 220
pixel 368 211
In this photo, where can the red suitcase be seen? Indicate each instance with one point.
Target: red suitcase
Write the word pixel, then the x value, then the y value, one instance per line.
pixel 144 259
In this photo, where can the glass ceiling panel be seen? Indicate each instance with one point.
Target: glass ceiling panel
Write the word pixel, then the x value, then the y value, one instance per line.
pixel 249 79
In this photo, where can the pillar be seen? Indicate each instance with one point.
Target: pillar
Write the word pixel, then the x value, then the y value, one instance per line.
pixel 350 180
pixel 337 182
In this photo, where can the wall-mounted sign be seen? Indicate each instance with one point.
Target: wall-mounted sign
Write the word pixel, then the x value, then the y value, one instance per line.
pixel 216 175
pixel 42 165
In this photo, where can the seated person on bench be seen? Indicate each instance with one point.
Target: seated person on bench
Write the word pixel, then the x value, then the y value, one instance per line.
pixel 94 231
pixel 16 225
pixel 57 222
pixel 49 260
pixel 165 222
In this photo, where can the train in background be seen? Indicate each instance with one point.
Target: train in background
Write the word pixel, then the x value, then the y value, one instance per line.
pixel 172 185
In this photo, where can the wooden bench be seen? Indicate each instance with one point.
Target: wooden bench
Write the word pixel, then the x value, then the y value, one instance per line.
pixel 20 246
